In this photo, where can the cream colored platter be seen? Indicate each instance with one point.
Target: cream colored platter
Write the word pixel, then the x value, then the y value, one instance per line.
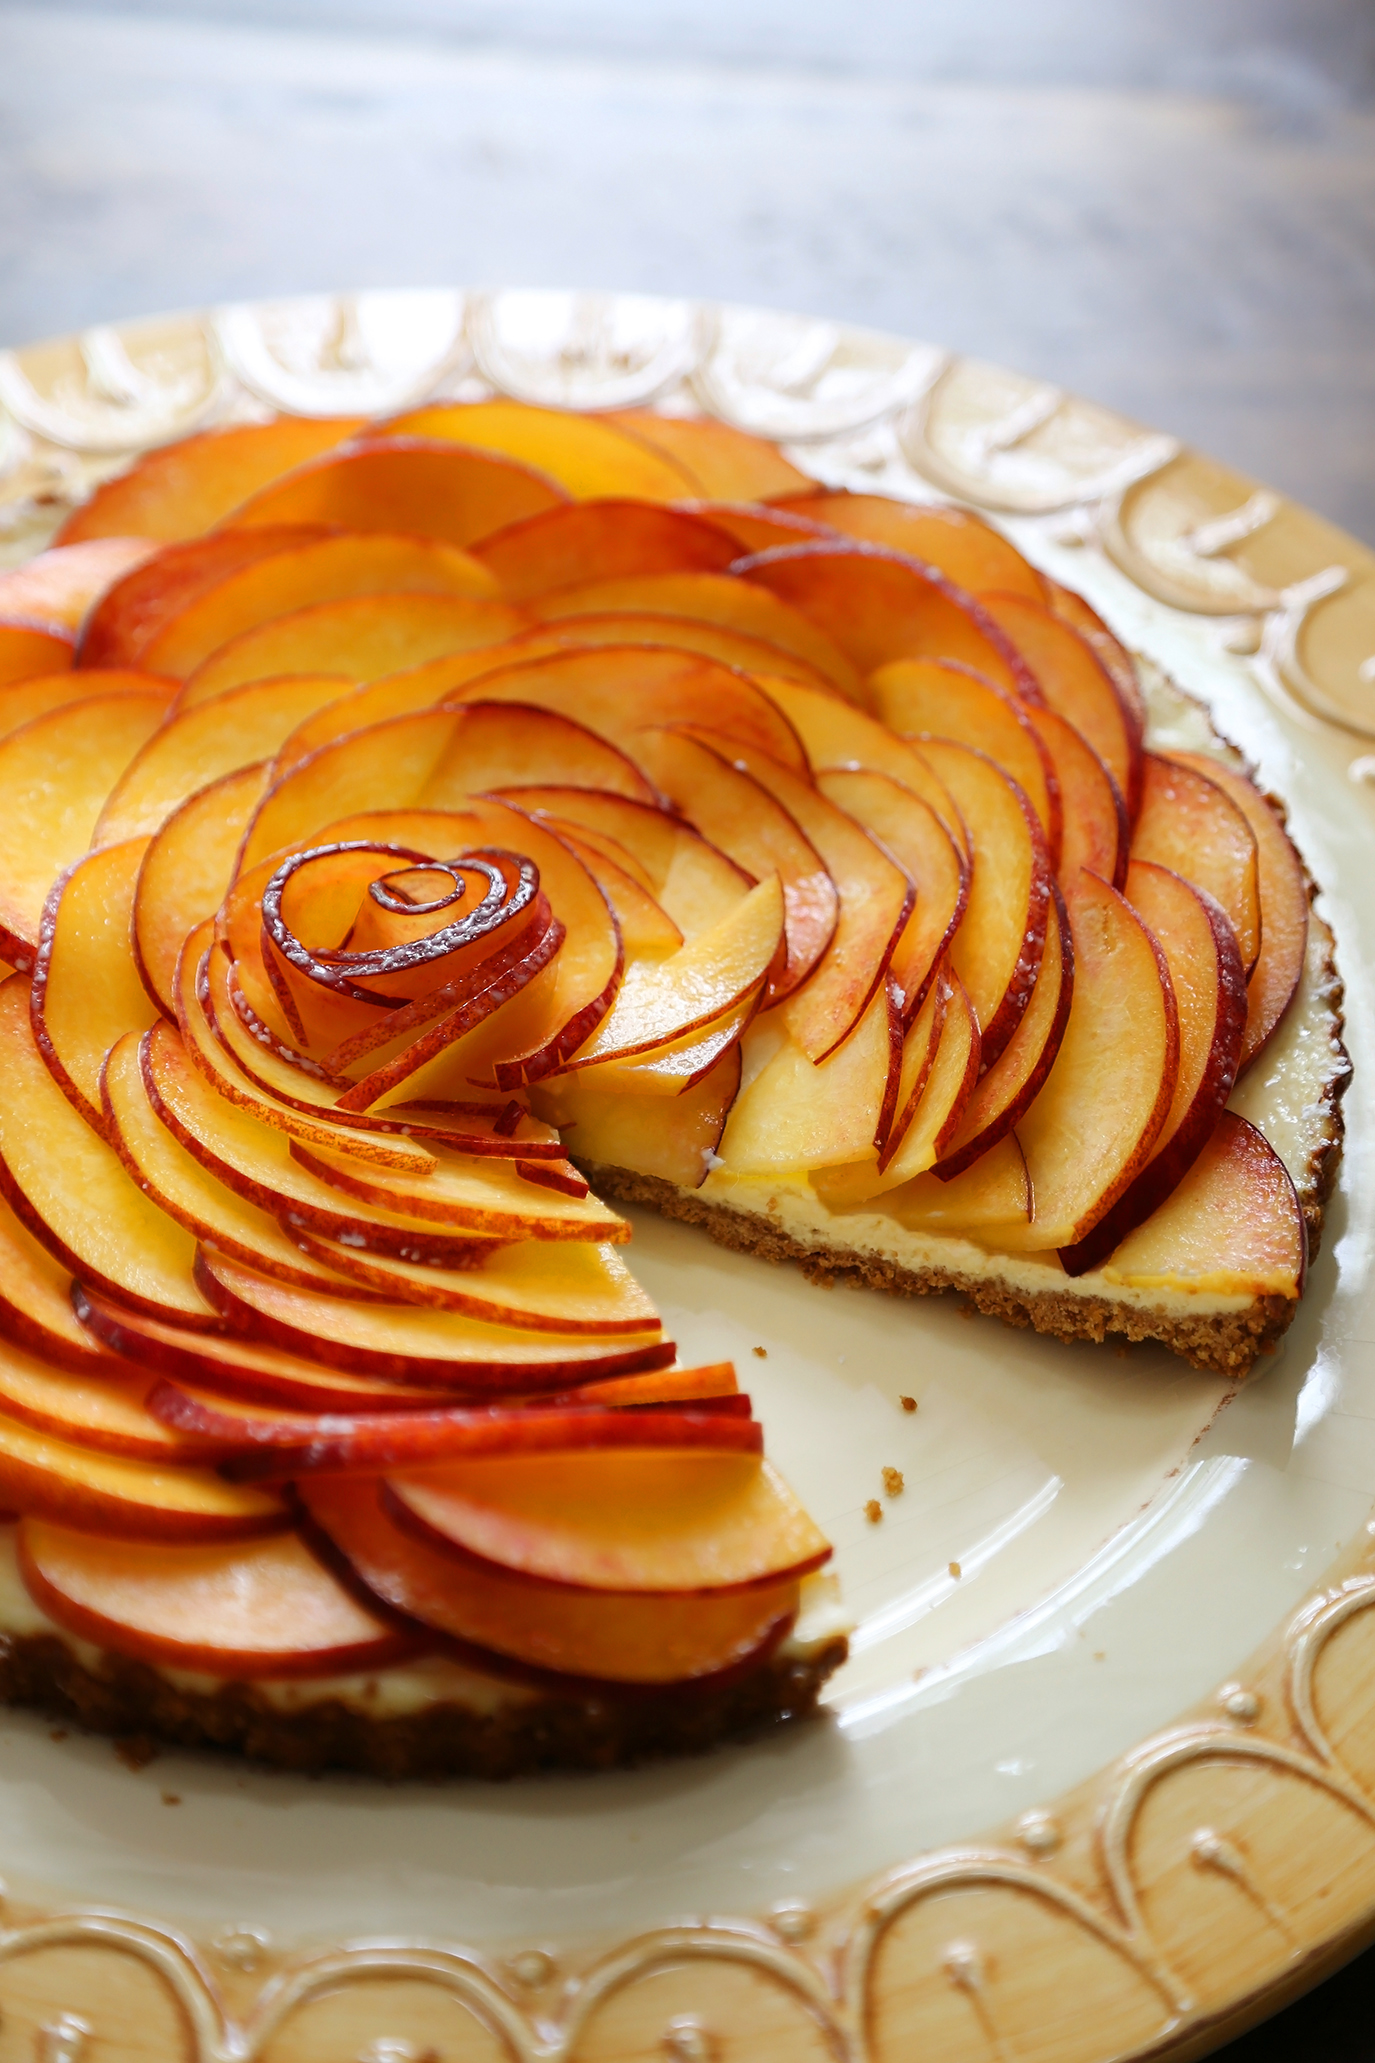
pixel 1099 1778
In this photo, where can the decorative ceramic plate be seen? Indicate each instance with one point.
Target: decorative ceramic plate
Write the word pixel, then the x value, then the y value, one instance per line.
pixel 1099 1779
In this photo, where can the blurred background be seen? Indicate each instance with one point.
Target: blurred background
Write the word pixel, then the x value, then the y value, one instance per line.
pixel 1167 204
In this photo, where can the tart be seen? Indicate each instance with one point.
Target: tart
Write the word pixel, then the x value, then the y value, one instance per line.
pixel 466 820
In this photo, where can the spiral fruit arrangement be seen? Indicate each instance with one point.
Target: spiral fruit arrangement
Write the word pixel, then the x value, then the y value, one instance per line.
pixel 393 810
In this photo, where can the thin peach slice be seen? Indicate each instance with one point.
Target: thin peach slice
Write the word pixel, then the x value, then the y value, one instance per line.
pixel 617 690
pixel 409 484
pixel 714 1379
pixel 324 569
pixel 22 701
pixel 574 1289
pixel 674 1069
pixel 716 598
pixel 131 613
pixel 103 1408
pixel 956 542
pixel 1010 1085
pixel 29 650
pixel 737 648
pixel 1283 887
pixel 602 1635
pixel 930 1112
pixel 254 1160
pixel 58 587
pixel 908 828
pixel 986 1201
pixel 265 1609
pixel 86 989
pixel 198 746
pixel 435 760
pixel 186 872
pixel 672 1521
pixel 946 699
pixel 1096 833
pixel 472 1195
pixel 839 736
pixel 876 898
pixel 1233 1227
pixel 1074 681
pixel 120 1497
pixel 68 1188
pixel 182 489
pixel 36 1302
pixel 258 1444
pixel 589 456
pixel 757 526
pixel 1189 823
pixel 661 1001
pixel 876 605
pixel 669 1139
pixel 727 464
pixel 648 933
pixel 738 815
pixel 693 881
pixel 1092 1127
pixel 1200 951
pixel 250 1370
pixel 404 1343
pixel 363 637
pixel 172 1179
pixel 997 949
pixel 601 540
pixel 799 1114
pixel 47 824
pixel 1114 655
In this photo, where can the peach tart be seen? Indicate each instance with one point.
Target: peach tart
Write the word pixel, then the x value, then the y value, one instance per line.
pixel 418 835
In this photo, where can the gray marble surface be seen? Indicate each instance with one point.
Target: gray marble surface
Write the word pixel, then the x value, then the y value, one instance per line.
pixel 1167 204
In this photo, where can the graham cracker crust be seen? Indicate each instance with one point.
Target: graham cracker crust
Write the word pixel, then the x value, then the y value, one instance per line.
pixel 585 1728
pixel 1227 1343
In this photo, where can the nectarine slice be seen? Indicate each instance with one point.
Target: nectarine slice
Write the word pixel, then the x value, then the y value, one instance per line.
pixel 86 989
pixel 182 489
pixel 661 1001
pixel 607 1635
pixel 58 587
pixel 21 701
pixel 727 464
pixel 269 1609
pixel 1073 681
pixel 1009 1086
pixel 1233 1227
pixel 409 484
pixel 483 1196
pixel 875 899
pixel 133 611
pixel 47 824
pixel 664 1520
pixel 28 650
pixel 1095 832
pixel 671 1139
pixel 908 828
pixel 946 699
pixel 68 1187
pixel 1092 1127
pixel 186 871
pixel 981 1204
pixel 644 628
pixel 1111 651
pixel 568 1288
pixel 589 456
pixel 1283 888
pixel 103 1408
pixel 997 949
pixel 325 569
pixel 601 540
pixel 121 1497
pixel 198 746
pixel 715 598
pixel 1189 823
pixel 796 1113
pixel 363 637
pixel 928 1121
pixel 956 542
pixel 1201 953
pixel 36 1302
pixel 757 526
pixel 877 605
pixel 405 1343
